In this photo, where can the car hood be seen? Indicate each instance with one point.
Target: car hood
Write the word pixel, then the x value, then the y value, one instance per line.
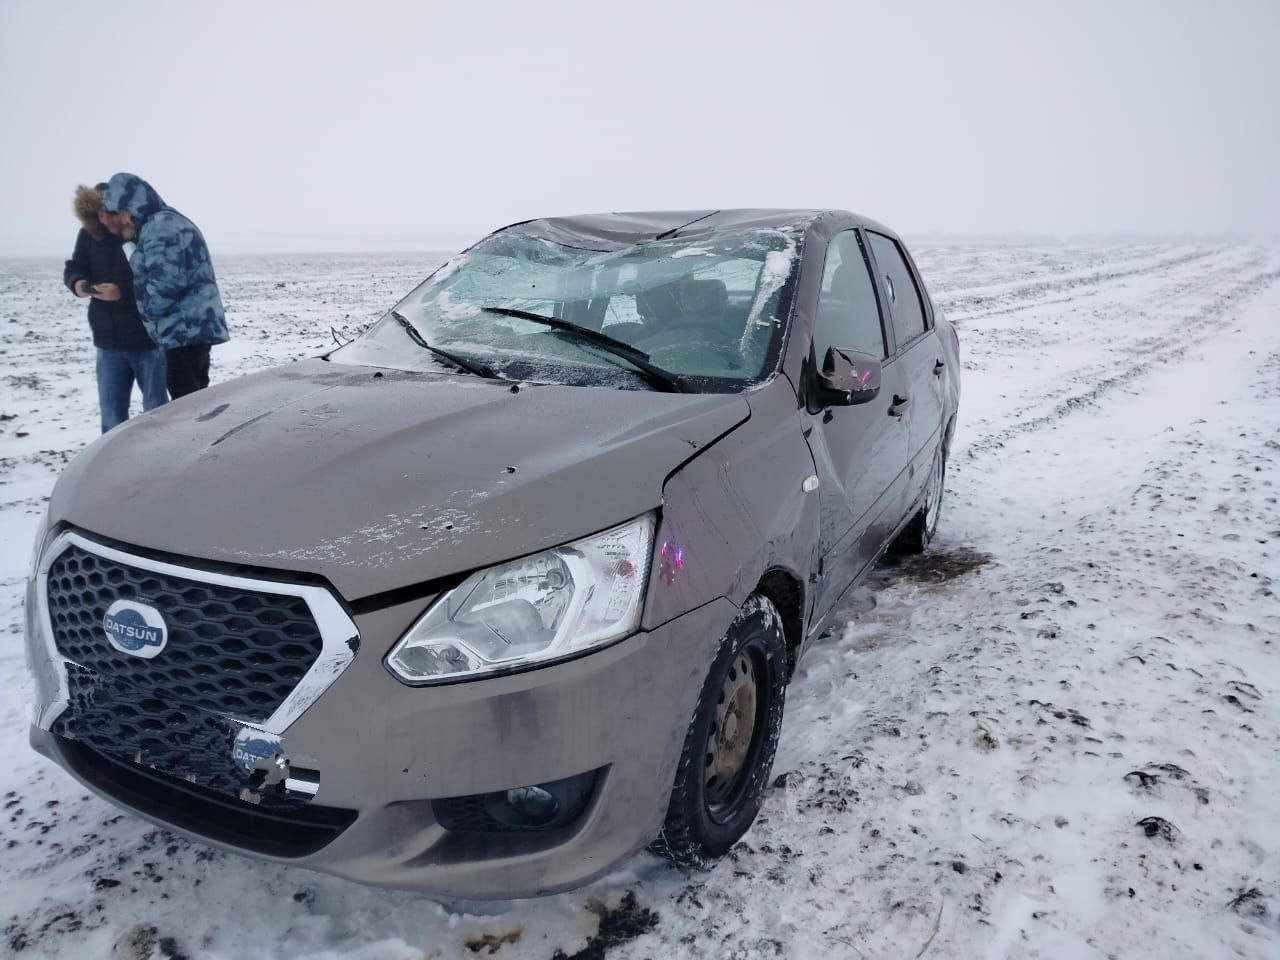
pixel 379 479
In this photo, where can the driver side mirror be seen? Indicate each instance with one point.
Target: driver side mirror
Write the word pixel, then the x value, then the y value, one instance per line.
pixel 848 377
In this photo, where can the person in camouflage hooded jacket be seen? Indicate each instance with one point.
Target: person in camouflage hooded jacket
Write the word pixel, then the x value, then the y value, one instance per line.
pixel 173 279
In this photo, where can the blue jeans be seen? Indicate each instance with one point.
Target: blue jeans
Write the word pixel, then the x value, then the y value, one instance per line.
pixel 117 370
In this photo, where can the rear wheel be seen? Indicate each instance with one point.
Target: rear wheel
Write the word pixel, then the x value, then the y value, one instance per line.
pixel 731 741
pixel 918 534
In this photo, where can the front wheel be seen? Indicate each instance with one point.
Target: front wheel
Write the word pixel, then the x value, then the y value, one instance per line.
pixel 729 748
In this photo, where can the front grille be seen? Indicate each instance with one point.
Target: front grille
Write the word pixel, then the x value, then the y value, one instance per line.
pixel 268 831
pixel 230 651
pixel 185 743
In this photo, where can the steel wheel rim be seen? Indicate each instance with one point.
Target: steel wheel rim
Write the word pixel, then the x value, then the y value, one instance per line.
pixel 734 737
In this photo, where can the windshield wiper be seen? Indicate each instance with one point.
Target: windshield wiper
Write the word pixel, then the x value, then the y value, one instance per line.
pixel 471 366
pixel 672 383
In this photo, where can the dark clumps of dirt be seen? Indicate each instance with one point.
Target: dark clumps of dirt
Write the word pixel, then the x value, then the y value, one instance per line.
pixel 1250 903
pixel 938 566
pixel 1062 713
pixel 1158 827
pixel 1140 778
pixel 17 938
pixel 143 942
pixel 1153 773
pixel 618 925
pixel 491 942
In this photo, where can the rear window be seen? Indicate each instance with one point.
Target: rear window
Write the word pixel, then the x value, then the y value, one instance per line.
pixel 899 287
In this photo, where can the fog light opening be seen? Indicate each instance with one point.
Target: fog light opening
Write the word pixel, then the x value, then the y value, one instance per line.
pixel 530 807
pixel 536 807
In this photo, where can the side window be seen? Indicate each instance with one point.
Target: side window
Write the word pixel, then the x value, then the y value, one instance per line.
pixel 899 289
pixel 848 315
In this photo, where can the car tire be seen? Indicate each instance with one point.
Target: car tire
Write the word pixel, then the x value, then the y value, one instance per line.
pixel 918 533
pixel 722 774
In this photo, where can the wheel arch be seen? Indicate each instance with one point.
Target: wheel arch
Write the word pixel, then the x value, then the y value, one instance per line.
pixel 786 592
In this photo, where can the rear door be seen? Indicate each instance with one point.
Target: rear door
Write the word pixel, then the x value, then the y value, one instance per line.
pixel 860 451
pixel 919 353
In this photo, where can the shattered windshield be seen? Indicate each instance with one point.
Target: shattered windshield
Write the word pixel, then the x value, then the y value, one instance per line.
pixel 710 312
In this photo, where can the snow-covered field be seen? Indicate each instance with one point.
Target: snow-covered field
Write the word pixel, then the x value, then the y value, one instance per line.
pixel 1058 736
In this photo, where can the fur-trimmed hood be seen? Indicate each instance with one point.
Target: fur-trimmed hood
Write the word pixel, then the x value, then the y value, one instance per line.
pixel 87 203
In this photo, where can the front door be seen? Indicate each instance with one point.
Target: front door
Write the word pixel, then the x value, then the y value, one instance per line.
pixel 860 451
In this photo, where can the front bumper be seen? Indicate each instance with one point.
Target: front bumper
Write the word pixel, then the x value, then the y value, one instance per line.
pixel 382 752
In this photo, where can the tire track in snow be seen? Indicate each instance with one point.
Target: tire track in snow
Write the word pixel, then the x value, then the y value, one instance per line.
pixel 1107 315
pixel 1104 329
pixel 978 267
pixel 1191 331
pixel 1098 286
pixel 1076 283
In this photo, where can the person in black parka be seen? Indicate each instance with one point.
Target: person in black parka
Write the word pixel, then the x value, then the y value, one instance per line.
pixel 99 270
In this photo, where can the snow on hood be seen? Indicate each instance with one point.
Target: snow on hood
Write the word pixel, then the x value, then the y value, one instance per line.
pixel 380 479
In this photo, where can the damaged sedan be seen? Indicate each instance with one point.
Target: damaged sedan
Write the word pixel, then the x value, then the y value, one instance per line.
pixel 511 586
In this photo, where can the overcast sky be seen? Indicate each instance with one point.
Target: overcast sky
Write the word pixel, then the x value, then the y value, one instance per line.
pixel 367 124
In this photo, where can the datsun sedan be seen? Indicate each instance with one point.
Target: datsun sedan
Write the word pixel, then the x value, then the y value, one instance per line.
pixel 511 586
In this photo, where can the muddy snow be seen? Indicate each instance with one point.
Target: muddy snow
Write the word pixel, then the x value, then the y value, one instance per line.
pixel 1056 736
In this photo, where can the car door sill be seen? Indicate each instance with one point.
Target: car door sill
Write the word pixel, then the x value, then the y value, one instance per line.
pixel 816 629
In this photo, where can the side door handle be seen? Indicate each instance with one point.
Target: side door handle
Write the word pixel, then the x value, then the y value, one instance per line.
pixel 897 408
pixel 938 368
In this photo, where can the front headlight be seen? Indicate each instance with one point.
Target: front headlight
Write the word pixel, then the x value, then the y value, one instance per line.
pixel 546 607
